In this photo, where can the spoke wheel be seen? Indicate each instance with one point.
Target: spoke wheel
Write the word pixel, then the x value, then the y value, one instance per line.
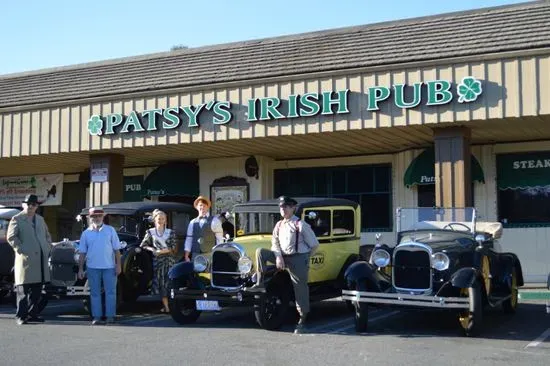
pixel 509 305
pixel 470 319
pixel 486 274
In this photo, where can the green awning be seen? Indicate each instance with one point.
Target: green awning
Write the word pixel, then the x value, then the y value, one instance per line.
pixel 422 170
pixel 526 170
pixel 172 179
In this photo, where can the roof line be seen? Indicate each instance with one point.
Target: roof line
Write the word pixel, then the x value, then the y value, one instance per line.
pixel 158 55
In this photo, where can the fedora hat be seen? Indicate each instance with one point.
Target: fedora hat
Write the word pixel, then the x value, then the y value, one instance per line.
pixel 203 199
pixel 31 198
pixel 96 211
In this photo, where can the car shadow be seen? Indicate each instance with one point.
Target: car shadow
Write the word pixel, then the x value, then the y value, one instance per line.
pixel 524 325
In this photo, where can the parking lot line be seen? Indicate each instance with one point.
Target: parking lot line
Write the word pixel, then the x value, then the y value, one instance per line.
pixel 540 339
pixel 328 325
pixel 372 320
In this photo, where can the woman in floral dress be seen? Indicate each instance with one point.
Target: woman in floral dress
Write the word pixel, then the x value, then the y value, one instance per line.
pixel 161 241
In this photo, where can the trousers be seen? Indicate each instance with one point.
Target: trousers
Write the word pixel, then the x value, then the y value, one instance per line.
pixel 107 277
pixel 297 266
pixel 28 297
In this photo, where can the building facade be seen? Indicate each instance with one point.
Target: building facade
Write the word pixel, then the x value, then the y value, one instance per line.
pixel 449 110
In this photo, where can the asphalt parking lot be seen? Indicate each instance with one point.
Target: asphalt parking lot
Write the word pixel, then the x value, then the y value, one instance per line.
pixel 395 337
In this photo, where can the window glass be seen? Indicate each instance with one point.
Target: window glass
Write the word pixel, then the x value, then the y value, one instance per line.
pixel 368 185
pixel 343 222
pixel 524 206
pixel 320 223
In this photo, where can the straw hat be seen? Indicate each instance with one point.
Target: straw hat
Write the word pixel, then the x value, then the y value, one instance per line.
pixel 203 199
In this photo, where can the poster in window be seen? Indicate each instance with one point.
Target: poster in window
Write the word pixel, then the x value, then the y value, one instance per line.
pixel 227 192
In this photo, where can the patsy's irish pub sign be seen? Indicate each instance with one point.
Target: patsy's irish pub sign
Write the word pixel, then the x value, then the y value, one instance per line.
pixel 430 93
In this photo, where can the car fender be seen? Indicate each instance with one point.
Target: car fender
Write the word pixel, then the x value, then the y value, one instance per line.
pixel 464 277
pixel 361 275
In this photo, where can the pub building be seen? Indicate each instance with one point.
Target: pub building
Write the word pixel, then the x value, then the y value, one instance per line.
pixel 450 110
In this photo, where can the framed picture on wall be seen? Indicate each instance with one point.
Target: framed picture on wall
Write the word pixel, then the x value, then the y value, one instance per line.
pixel 226 192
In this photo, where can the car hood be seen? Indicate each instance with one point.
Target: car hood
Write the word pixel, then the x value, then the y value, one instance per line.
pixel 439 246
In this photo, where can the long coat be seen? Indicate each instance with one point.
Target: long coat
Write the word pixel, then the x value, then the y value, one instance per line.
pixel 26 243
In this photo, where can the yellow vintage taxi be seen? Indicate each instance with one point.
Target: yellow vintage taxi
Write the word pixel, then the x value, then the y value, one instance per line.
pixel 222 277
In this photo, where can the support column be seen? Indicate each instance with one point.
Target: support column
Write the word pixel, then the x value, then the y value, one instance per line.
pixel 106 179
pixel 453 182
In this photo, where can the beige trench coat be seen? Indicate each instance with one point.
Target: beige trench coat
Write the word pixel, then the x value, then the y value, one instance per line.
pixel 26 243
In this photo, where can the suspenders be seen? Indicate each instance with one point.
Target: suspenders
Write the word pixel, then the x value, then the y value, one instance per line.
pixel 278 226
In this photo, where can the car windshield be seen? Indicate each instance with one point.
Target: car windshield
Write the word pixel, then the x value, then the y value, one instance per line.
pixel 425 218
pixel 251 223
pixel 121 223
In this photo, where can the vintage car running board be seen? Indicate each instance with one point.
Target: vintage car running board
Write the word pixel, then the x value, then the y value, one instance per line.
pixel 407 300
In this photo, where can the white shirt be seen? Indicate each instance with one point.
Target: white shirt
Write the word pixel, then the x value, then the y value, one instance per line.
pixel 284 237
pixel 216 227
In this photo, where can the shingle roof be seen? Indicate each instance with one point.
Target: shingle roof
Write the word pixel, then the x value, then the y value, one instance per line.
pixel 517 27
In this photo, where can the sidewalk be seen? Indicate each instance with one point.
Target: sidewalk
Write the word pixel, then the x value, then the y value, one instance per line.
pixel 534 291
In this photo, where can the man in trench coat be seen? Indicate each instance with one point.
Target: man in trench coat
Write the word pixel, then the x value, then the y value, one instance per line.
pixel 31 241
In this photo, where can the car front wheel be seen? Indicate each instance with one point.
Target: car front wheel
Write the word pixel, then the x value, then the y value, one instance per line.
pixel 272 308
pixel 470 319
pixel 184 311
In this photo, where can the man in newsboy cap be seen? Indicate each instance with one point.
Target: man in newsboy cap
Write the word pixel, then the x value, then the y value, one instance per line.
pixel 292 243
pixel 31 241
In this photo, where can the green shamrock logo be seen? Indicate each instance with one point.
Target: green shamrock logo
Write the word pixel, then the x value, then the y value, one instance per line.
pixel 95 125
pixel 469 89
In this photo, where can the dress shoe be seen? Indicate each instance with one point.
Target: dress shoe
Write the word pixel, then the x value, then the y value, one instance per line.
pixel 20 321
pixel 35 319
pixel 97 322
pixel 301 326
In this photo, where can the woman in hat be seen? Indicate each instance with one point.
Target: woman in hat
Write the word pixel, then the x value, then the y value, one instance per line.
pixel 161 241
pixel 204 231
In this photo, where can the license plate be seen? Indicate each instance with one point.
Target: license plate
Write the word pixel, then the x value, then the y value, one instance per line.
pixel 207 305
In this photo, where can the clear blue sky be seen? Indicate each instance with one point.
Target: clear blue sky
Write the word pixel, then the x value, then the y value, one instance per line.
pixel 37 34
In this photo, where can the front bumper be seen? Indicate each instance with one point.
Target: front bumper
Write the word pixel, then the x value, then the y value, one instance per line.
pixel 226 298
pixel 440 302
pixel 69 291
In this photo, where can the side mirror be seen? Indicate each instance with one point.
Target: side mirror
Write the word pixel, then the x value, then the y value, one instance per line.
pixel 378 236
pixel 123 244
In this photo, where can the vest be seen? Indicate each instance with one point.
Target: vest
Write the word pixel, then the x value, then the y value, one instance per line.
pixel 204 238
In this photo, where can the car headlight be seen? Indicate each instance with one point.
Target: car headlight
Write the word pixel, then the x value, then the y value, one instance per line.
pixel 440 261
pixel 245 265
pixel 381 258
pixel 200 263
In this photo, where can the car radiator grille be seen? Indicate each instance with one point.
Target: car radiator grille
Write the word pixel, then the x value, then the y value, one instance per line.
pixel 412 269
pixel 225 271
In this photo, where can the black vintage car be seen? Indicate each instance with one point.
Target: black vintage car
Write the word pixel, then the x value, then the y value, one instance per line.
pixel 222 277
pixel 6 252
pixel 130 220
pixel 443 259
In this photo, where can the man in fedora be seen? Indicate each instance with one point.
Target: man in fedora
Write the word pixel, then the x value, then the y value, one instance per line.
pixel 204 231
pixel 31 241
pixel 99 247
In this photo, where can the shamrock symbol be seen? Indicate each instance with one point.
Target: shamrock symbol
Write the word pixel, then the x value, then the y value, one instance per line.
pixel 469 89
pixel 95 125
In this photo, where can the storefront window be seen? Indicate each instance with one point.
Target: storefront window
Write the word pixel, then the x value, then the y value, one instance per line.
pixel 523 182
pixel 368 185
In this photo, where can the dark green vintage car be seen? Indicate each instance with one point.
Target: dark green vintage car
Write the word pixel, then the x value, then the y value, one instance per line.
pixel 444 258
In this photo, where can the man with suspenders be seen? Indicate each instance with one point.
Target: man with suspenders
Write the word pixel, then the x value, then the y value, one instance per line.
pixel 292 243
